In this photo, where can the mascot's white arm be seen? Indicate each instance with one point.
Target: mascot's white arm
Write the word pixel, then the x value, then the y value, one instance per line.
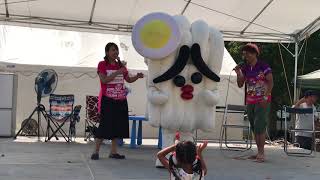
pixel 157 97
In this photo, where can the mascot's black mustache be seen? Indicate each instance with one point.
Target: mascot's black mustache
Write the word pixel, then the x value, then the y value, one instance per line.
pixel 181 62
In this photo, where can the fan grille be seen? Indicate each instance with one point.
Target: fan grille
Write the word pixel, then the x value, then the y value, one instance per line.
pixel 46 82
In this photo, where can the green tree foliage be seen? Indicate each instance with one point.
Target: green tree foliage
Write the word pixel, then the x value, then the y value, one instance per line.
pixel 309 60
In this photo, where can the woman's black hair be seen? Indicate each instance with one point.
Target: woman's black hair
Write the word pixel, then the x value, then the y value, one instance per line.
pixel 107 48
pixel 186 153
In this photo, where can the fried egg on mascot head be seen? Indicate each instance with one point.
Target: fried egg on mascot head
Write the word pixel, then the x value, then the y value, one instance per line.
pixel 184 61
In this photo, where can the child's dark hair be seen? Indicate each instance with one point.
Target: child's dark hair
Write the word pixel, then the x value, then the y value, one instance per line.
pixel 186 153
pixel 107 48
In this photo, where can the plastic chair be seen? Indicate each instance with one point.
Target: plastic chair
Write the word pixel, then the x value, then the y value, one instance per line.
pixel 61 111
pixel 243 145
pixel 313 131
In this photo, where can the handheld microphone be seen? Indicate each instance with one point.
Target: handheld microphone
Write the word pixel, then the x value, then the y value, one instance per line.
pixel 119 62
pixel 239 65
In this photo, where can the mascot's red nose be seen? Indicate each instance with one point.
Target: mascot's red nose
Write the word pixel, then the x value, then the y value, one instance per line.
pixel 187 92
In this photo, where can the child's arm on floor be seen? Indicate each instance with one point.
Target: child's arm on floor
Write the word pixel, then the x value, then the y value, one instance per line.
pixel 162 156
pixel 200 148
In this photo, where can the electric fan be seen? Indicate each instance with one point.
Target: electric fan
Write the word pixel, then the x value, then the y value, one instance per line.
pixel 45 84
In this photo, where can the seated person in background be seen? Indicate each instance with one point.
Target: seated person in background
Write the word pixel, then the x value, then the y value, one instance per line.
pixel 304 121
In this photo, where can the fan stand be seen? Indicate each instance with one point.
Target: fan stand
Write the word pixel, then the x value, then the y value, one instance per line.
pixel 40 109
pixel 30 129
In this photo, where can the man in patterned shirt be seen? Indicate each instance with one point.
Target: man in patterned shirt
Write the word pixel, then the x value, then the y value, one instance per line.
pixel 259 83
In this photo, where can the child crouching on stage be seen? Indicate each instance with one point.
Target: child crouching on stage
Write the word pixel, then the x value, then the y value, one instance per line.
pixel 185 162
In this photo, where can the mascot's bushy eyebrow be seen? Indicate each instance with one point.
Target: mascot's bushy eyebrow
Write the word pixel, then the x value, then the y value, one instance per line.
pixel 177 67
pixel 201 65
pixel 181 62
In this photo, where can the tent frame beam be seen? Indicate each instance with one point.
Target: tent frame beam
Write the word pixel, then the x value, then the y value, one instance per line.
pixel 254 36
pixel 235 17
pixel 56 22
pixel 125 28
pixel 296 55
pixel 259 13
pixel 92 11
pixel 185 7
pixel 7 9
pixel 313 26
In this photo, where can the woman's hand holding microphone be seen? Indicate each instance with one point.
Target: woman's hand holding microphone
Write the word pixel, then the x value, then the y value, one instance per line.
pixel 140 75
pixel 237 69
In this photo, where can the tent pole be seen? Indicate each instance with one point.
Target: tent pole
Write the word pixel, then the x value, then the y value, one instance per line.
pixel 296 51
pixel 296 54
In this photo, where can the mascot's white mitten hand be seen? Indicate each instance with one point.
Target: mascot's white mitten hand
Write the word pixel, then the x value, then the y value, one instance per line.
pixel 157 97
pixel 211 98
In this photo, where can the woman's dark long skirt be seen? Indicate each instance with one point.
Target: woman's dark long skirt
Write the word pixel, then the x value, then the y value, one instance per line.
pixel 114 121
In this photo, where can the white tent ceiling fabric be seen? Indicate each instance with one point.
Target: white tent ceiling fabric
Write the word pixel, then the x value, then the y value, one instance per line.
pixel 241 20
pixel 24 45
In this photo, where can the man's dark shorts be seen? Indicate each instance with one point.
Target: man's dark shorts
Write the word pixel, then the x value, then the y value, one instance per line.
pixel 258 117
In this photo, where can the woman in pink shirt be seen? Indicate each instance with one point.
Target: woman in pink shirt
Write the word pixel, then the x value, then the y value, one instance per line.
pixel 114 123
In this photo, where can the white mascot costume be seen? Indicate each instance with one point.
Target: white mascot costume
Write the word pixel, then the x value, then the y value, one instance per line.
pixel 184 61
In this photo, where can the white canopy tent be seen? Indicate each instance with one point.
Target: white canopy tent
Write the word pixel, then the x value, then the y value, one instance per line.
pixel 74 56
pixel 266 20
pixel 285 21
